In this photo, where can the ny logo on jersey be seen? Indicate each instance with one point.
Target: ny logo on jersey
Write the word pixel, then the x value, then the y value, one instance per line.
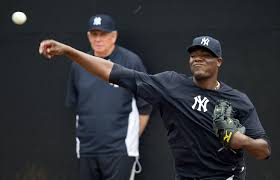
pixel 200 103
pixel 204 41
pixel 97 21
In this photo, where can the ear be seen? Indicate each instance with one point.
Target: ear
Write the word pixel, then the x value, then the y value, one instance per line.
pixel 88 35
pixel 219 62
pixel 115 36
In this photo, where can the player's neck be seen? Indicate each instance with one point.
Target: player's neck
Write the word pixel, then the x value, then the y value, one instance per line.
pixel 212 84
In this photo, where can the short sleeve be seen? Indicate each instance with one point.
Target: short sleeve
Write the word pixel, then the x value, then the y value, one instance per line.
pixel 254 128
pixel 249 118
pixel 143 106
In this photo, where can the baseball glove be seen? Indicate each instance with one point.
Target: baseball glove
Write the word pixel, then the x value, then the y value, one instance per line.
pixel 224 124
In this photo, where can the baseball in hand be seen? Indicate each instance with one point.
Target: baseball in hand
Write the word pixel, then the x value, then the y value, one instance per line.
pixel 19 18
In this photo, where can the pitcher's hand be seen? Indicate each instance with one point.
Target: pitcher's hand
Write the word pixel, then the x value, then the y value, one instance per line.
pixel 50 48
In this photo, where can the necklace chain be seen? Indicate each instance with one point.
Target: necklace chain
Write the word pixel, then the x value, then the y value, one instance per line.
pixel 217 86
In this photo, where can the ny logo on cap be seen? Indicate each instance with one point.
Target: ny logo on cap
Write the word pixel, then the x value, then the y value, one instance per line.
pixel 204 41
pixel 97 21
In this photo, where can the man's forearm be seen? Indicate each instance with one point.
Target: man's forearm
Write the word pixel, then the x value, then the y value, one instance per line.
pixel 143 123
pixel 259 148
pixel 96 66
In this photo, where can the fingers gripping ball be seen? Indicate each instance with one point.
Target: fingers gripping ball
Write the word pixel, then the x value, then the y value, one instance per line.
pixel 44 49
pixel 51 48
pixel 224 124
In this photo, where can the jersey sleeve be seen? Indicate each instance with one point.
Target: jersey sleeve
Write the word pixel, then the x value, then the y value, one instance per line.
pixel 71 91
pixel 144 107
pixel 250 119
pixel 253 125
pixel 254 128
pixel 149 87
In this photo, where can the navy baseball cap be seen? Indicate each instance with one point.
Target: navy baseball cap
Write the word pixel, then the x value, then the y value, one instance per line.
pixel 101 22
pixel 211 44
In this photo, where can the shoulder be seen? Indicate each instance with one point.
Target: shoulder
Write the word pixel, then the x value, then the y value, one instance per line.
pixel 238 98
pixel 128 54
pixel 125 51
pixel 172 76
pixel 169 73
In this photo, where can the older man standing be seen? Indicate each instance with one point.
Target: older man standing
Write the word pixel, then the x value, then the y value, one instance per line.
pixel 109 118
